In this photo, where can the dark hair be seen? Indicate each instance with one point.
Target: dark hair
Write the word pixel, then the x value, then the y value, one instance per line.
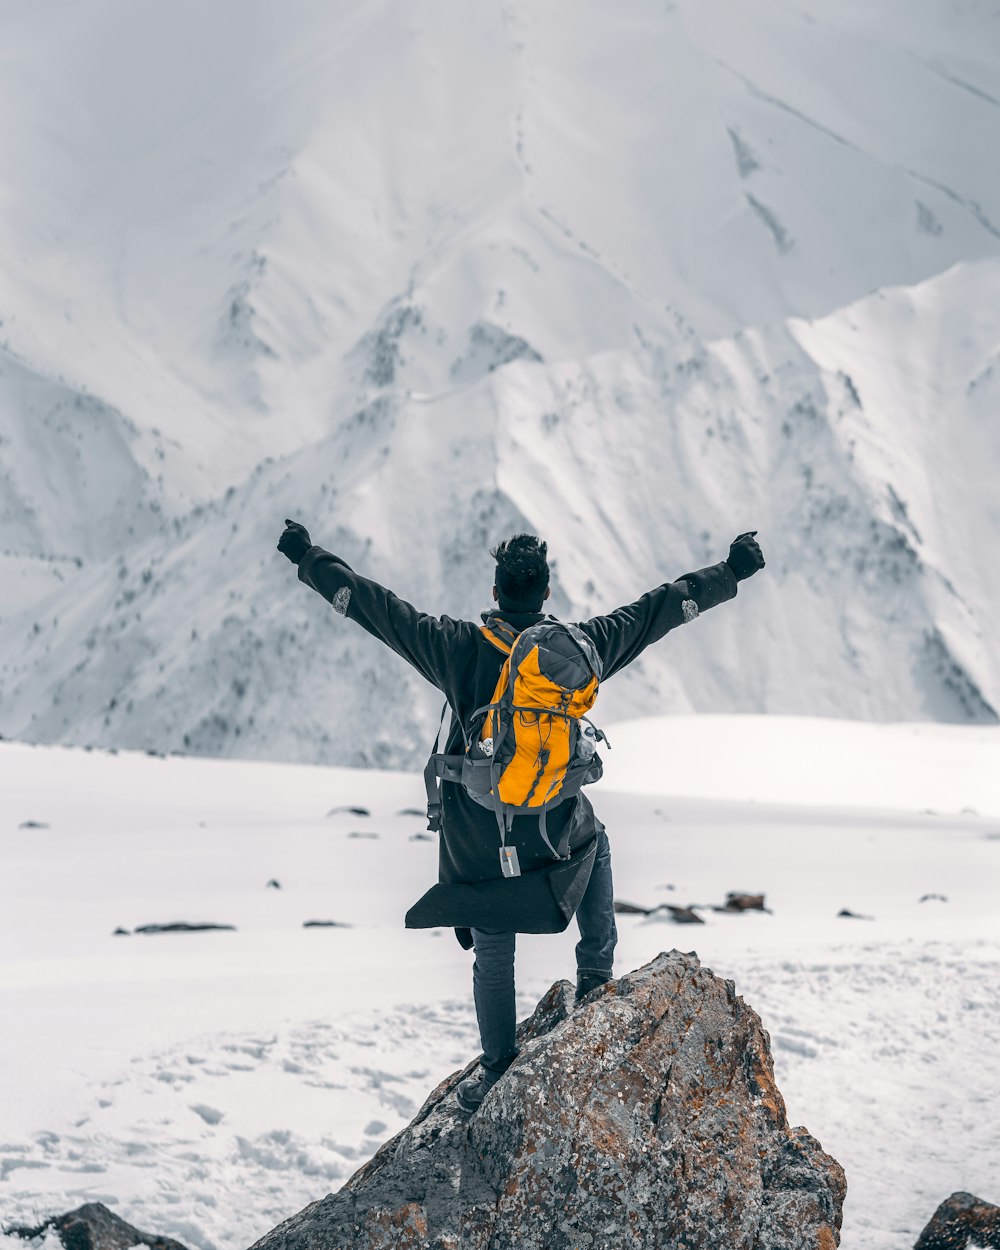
pixel 522 575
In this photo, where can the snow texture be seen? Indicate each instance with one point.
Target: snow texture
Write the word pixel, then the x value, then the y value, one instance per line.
pixel 207 1085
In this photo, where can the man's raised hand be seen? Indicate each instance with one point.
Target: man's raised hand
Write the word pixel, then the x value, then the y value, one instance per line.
pixel 745 556
pixel 294 541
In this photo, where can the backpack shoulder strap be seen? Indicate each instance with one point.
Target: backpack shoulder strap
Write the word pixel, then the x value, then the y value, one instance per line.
pixel 500 634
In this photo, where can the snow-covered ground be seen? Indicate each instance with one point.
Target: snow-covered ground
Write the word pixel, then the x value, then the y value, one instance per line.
pixel 208 1084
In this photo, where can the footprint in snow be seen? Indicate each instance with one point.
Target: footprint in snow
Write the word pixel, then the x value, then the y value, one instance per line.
pixel 210 1115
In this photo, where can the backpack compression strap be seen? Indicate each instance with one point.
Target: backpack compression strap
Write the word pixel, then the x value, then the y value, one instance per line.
pixel 440 766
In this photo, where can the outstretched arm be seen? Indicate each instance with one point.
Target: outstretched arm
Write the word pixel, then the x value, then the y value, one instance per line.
pixel 622 635
pixel 427 642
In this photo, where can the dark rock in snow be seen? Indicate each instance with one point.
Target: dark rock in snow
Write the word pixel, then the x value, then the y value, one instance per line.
pixel 411 811
pixel 273 885
pixel 120 932
pixel 743 902
pixel 357 833
pixel 94 1227
pixel 181 926
pixel 932 898
pixel 33 824
pixel 347 810
pixel 852 915
pixel 325 924
pixel 962 1220
pixel 680 915
pixel 421 837
pixel 647 1117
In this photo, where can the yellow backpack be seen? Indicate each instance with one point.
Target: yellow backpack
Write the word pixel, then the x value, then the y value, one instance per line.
pixel 532 746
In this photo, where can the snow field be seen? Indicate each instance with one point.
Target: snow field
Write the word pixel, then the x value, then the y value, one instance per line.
pixel 208 1084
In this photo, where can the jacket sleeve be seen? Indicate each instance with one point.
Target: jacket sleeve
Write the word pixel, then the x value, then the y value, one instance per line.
pixel 429 643
pixel 622 635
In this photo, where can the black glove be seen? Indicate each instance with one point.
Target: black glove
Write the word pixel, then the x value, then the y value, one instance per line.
pixel 295 541
pixel 745 556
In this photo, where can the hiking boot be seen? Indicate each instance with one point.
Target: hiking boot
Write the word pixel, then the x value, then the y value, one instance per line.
pixel 473 1090
pixel 587 981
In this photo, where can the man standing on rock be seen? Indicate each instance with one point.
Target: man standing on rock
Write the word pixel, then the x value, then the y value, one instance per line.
pixel 464 661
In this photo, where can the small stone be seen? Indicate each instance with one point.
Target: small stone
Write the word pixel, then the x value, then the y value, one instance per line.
pixel 932 898
pixel 347 810
pixel 630 909
pixel 681 915
pixel 120 932
pixel 852 915
pixel 744 902
pixel 33 824
pixel 181 926
pixel 273 885
pixel 325 924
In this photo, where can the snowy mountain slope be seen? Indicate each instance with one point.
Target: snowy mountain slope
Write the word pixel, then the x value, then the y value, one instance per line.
pixel 420 275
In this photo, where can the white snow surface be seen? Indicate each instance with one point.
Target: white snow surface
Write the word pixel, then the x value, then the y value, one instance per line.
pixel 206 1085
pixel 636 276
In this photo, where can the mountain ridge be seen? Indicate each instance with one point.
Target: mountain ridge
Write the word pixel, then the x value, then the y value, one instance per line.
pixel 638 282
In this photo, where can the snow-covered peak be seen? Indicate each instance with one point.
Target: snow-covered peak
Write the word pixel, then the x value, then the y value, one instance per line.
pixel 637 276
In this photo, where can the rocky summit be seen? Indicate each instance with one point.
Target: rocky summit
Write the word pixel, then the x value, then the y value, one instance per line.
pixel 645 1117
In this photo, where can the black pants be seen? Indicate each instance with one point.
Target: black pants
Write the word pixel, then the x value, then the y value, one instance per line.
pixel 493 970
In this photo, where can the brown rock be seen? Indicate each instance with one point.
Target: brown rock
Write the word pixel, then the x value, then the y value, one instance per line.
pixel 744 902
pixel 681 915
pixel 960 1220
pixel 646 1118
pixel 94 1227
pixel 630 909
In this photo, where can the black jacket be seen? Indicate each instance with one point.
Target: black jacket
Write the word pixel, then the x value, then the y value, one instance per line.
pixel 455 657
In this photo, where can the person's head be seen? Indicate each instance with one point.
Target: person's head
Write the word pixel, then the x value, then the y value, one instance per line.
pixel 522 577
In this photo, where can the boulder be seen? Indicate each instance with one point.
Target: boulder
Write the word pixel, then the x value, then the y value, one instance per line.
pixel 962 1220
pixel 646 1117
pixel 94 1227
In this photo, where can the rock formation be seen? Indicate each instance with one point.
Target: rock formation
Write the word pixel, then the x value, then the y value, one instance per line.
pixel 94 1227
pixel 646 1117
pixel 962 1220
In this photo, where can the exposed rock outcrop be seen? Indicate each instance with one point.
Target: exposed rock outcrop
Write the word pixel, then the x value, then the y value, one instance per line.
pixel 962 1220
pixel 646 1117
pixel 94 1227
